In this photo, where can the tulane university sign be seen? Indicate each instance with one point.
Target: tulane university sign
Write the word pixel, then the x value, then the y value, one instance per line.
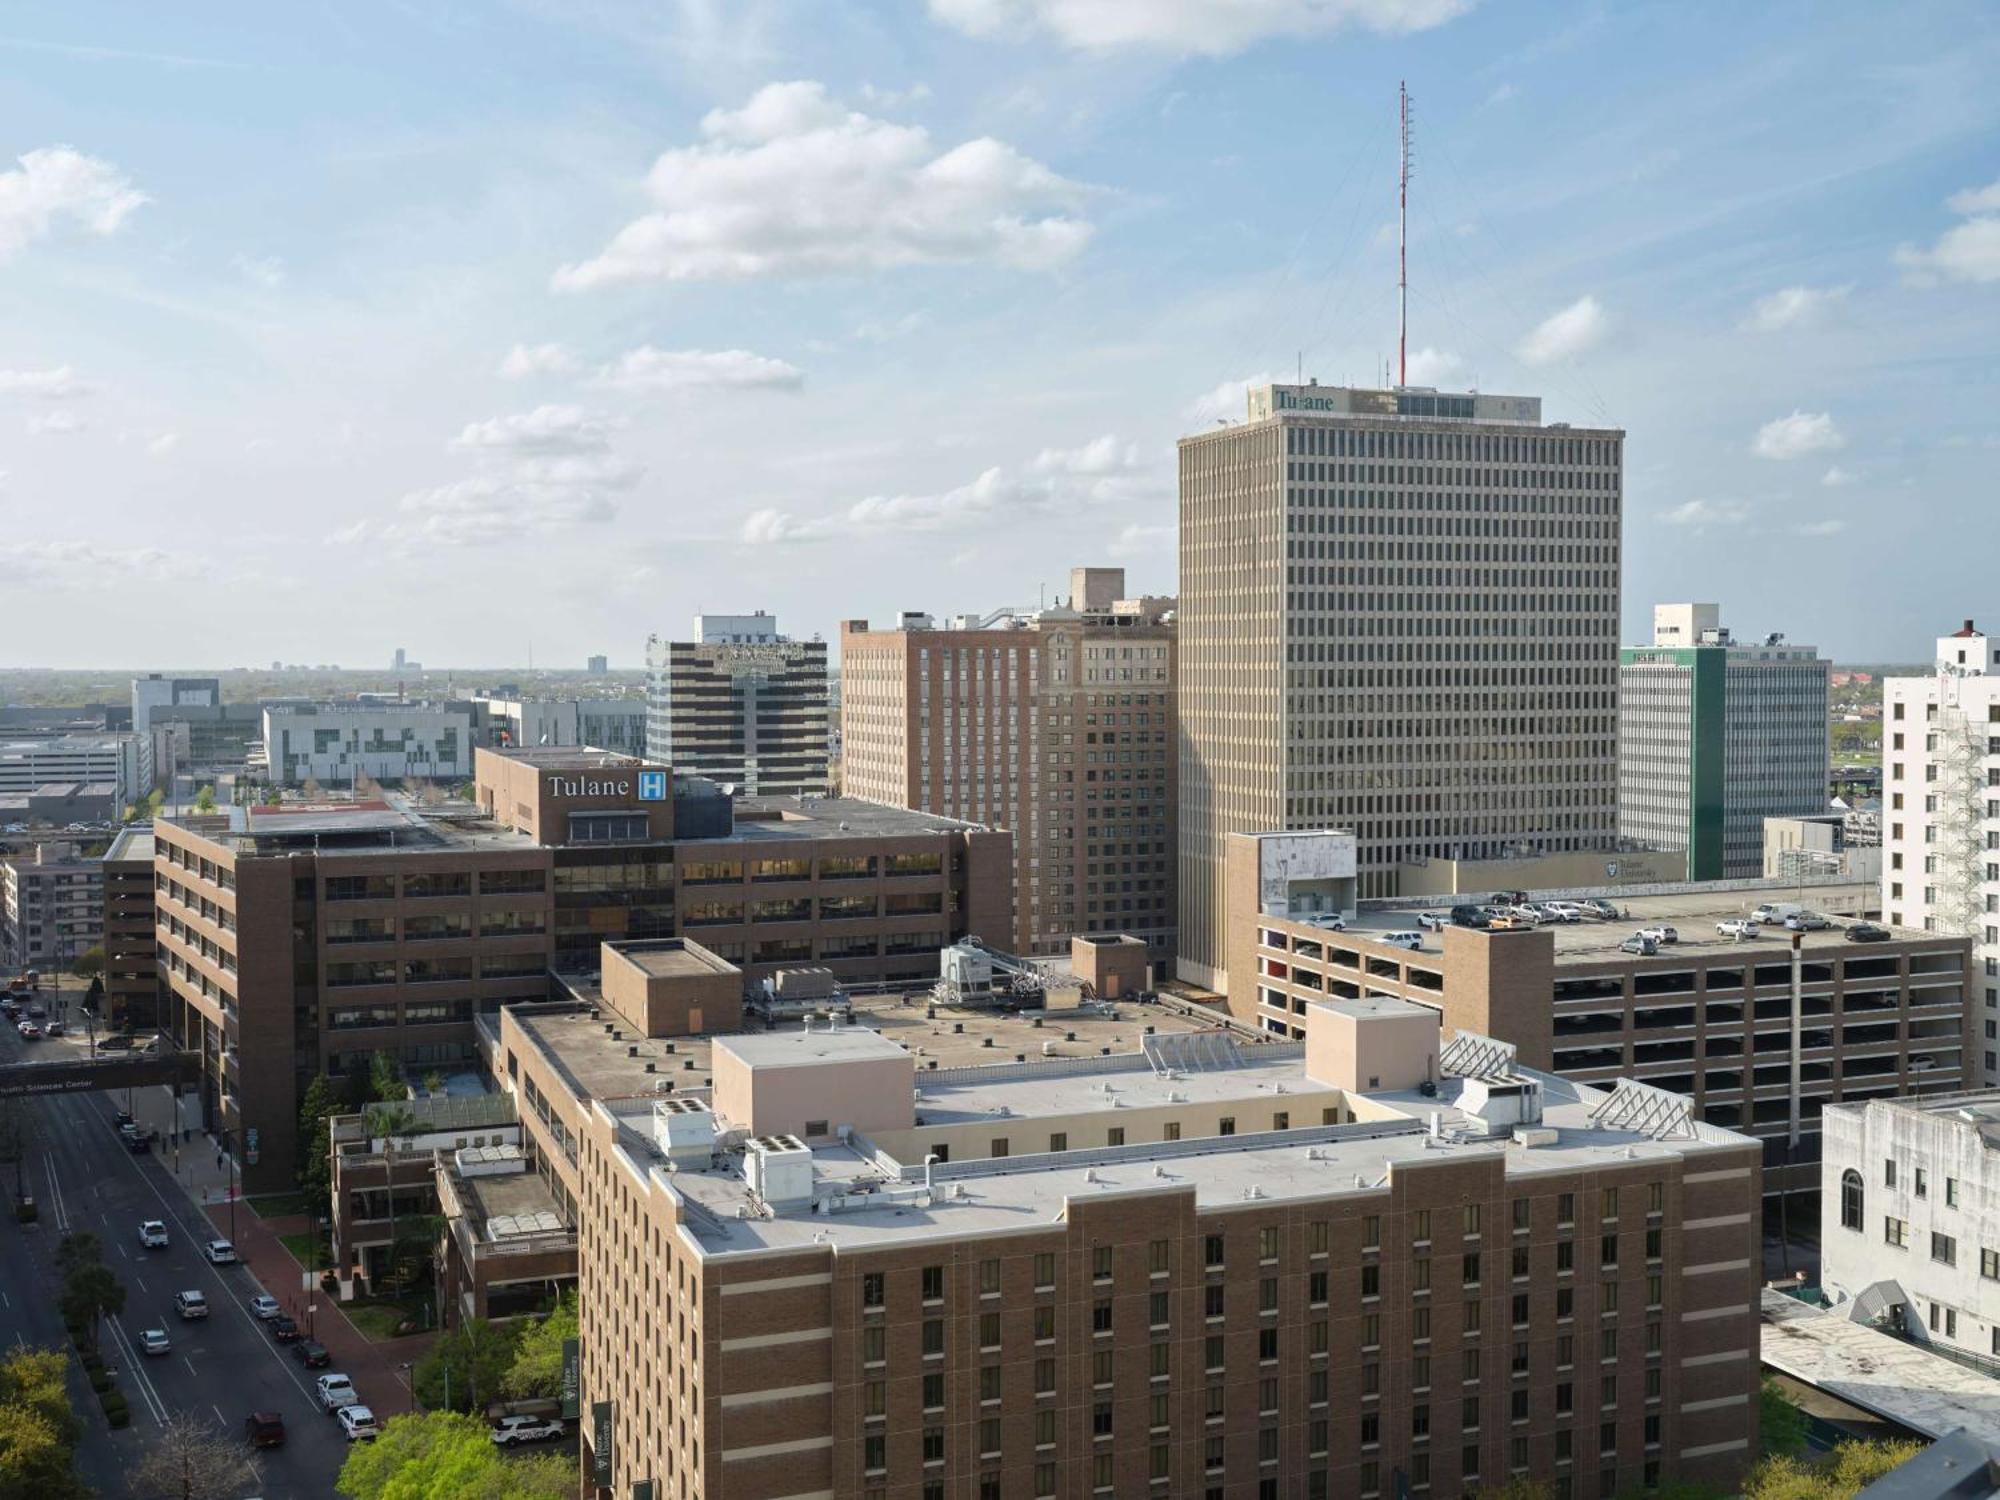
pixel 652 786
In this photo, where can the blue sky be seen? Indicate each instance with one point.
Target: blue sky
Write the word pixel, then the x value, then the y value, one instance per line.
pixel 461 327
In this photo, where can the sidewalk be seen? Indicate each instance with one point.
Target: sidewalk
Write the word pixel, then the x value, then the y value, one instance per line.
pixel 375 1368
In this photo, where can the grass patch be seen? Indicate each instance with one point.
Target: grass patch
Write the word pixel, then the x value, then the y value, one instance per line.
pixel 378 1321
pixel 308 1249
pixel 277 1205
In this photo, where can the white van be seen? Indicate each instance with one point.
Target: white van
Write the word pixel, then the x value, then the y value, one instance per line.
pixel 1775 912
pixel 1411 940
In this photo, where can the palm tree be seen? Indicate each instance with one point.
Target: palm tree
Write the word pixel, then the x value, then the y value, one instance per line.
pixel 393 1122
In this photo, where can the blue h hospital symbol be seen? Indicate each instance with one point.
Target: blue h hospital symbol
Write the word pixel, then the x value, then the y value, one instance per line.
pixel 652 786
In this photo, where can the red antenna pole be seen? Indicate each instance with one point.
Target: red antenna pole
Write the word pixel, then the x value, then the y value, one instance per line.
pixel 1403 243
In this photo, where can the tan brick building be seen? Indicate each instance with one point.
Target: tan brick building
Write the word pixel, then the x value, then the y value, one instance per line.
pixel 1398 615
pixel 1211 1270
pixel 1055 724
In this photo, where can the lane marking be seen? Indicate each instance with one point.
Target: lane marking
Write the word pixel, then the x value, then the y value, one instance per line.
pixel 188 1360
pixel 155 1407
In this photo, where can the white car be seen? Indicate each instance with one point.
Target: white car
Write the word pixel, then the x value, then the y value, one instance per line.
pixel 154 1341
pixel 357 1422
pixel 335 1392
pixel 1807 921
pixel 221 1253
pixel 1563 911
pixel 1736 927
pixel 1660 934
pixel 190 1305
pixel 264 1307
pixel 1436 921
pixel 153 1235
pixel 510 1430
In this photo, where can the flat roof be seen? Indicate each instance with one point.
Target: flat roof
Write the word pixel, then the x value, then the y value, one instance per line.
pixel 779 818
pixel 606 1067
pixel 570 757
pixel 670 958
pixel 1016 1193
pixel 134 843
pixel 1030 1091
pixel 1877 1372
pixel 819 1047
pixel 1693 915
pixel 507 1204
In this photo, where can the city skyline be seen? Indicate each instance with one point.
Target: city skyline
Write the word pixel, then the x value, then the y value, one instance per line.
pixel 437 311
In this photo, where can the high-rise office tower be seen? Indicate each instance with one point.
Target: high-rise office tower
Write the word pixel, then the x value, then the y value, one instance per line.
pixel 1056 724
pixel 1940 758
pixel 740 704
pixel 1398 614
pixel 1714 736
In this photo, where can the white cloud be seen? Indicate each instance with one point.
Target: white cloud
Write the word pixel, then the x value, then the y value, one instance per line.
pixel 793 184
pixel 1704 513
pixel 1102 471
pixel 163 443
pixel 1136 539
pixel 546 429
pixel 1793 307
pixel 875 332
pixel 1797 435
pixel 1227 401
pixel 1980 200
pixel 1434 366
pixel 87 565
pixel 1837 478
pixel 1565 334
pixel 1503 94
pixel 538 359
pixel 266 270
pixel 1965 252
pixel 649 369
pixel 59 384
pixel 1209 27
pixel 57 184
pixel 58 423
pixel 1819 528
pixel 916 93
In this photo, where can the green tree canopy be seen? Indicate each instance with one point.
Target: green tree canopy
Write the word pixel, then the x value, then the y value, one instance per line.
pixel 470 1362
pixel 204 799
pixel 37 1427
pixel 315 1170
pixel 35 1379
pixel 89 963
pixel 439 1453
pixel 537 1367
pixel 1851 1468
pixel 90 1292
pixel 385 1079
pixel 1780 1423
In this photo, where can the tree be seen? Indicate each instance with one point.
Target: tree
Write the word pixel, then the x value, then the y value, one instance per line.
pixel 190 1460
pixel 90 1293
pixel 204 799
pixel 385 1079
pixel 34 1460
pixel 311 791
pixel 314 1168
pixel 471 1363
pixel 538 1357
pixel 1780 1423
pixel 437 1453
pixel 89 963
pixel 1851 1468
pixel 36 1380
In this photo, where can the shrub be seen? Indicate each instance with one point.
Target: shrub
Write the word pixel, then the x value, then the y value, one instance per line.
pixel 100 1382
pixel 92 1361
pixel 113 1402
pixel 117 1416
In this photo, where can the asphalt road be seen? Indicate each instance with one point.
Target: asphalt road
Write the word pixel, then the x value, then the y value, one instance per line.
pixel 220 1368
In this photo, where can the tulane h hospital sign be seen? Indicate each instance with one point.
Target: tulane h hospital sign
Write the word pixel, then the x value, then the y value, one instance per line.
pixel 652 786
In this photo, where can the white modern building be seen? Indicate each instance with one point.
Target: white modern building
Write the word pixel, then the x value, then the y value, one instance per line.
pixel 1714 736
pixel 740 704
pixel 1398 614
pixel 1940 864
pixel 123 761
pixel 333 744
pixel 1910 1217
pixel 599 723
pixel 51 907
pixel 153 692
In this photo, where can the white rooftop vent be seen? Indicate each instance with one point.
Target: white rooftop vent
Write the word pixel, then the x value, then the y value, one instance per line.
pixel 684 1129
pixel 779 1169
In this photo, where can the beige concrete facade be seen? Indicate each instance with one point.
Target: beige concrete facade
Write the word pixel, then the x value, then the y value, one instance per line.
pixel 1113 966
pixel 1398 614
pixel 1059 729
pixel 671 987
pixel 131 957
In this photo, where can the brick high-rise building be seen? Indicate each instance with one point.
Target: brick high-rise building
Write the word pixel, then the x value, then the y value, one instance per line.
pixel 836 1274
pixel 1056 724
pixel 1398 614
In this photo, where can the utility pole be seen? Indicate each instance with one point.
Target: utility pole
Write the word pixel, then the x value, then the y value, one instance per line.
pixel 1403 242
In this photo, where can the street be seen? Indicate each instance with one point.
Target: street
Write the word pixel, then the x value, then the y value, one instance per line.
pixel 220 1367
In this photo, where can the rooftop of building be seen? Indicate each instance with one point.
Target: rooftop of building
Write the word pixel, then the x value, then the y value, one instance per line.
pixel 1977 1111
pixel 505 1205
pixel 671 958
pixel 134 844
pixel 1692 911
pixel 861 1205
pixel 567 757
pixel 783 818
pixel 1877 1372
pixel 66 743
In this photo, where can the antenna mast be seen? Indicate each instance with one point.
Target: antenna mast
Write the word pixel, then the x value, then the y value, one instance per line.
pixel 1403 242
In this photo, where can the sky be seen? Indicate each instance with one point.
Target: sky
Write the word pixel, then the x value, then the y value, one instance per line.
pixel 509 329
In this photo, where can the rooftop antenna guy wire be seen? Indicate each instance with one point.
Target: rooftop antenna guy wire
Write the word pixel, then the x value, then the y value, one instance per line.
pixel 1403 239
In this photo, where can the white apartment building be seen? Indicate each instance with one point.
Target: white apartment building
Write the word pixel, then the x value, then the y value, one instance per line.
pixel 1941 812
pixel 51 907
pixel 1910 1217
pixel 1398 614
pixel 334 744
pixel 600 723
pixel 123 761
pixel 1714 736
pixel 740 704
